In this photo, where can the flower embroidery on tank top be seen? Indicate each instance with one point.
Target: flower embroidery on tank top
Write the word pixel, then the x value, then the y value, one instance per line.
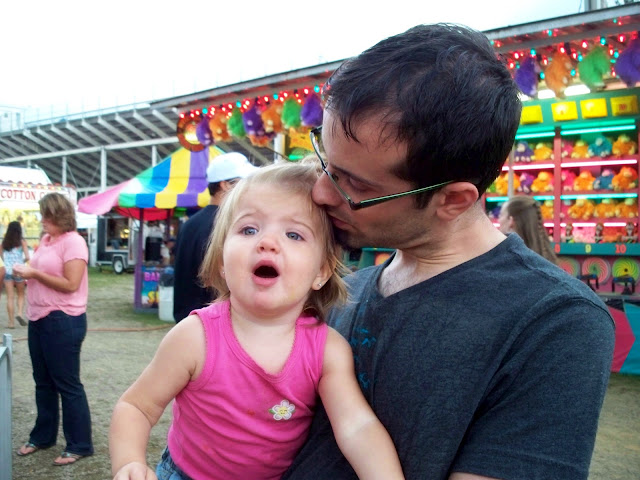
pixel 283 411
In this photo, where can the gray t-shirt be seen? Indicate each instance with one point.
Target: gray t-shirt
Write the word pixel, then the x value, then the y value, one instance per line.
pixel 497 367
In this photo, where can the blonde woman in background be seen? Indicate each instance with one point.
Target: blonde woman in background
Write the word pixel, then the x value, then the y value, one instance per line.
pixel 14 251
pixel 522 215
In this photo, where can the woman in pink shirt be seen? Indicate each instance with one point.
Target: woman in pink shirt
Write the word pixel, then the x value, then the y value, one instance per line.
pixel 247 370
pixel 56 307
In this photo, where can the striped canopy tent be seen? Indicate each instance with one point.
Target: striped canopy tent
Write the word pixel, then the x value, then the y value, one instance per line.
pixel 180 180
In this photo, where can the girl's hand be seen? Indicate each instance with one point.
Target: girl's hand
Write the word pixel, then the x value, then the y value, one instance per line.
pixel 135 471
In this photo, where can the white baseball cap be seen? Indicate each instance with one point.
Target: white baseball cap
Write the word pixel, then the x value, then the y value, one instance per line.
pixel 227 166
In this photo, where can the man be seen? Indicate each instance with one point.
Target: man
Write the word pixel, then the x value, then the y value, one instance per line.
pixel 188 294
pixel 482 359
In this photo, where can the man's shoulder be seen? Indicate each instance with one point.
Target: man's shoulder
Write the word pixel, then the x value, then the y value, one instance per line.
pixel 202 216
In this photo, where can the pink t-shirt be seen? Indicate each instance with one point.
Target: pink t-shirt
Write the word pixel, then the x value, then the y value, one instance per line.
pixel 50 258
pixel 237 421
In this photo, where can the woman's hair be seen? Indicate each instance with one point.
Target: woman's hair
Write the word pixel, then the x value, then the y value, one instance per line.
pixel 58 210
pixel 13 236
pixel 529 226
pixel 296 179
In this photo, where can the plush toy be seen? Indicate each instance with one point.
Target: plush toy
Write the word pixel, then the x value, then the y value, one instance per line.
pixel 568 177
pixel 234 124
pixel 311 112
pixel 557 76
pixel 502 184
pixel 582 210
pixel 271 118
pixel 542 152
pixel 252 121
pixel 526 180
pixel 600 147
pixel 584 181
pixel 603 182
pixel 291 114
pixel 526 77
pixel 494 213
pixel 543 182
pixel 628 63
pixel 492 187
pixel 628 208
pixel 203 132
pixel 630 235
pixel 523 153
pixel 605 209
pixel 580 150
pixel 625 179
pixel 597 235
pixel 566 148
pixel 218 127
pixel 546 210
pixel 593 67
pixel 568 233
pixel 624 146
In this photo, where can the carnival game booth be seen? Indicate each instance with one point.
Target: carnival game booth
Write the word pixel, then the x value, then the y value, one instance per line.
pixel 177 183
pixel 576 152
pixel 20 191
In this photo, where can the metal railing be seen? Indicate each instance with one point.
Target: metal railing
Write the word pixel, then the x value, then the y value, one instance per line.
pixel 5 406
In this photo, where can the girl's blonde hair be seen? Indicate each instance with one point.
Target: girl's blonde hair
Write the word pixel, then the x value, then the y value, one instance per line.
pixel 297 179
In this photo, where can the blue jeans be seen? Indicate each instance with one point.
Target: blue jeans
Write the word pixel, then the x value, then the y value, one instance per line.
pixel 168 470
pixel 54 346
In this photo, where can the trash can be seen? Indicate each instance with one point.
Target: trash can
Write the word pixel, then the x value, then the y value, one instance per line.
pixel 165 295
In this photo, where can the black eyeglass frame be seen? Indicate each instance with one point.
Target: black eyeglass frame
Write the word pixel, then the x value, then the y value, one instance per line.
pixel 371 201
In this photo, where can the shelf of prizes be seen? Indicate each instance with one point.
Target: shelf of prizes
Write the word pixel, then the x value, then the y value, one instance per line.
pixel 578 157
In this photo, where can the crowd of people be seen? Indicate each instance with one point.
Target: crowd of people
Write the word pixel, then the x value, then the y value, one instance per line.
pixel 467 355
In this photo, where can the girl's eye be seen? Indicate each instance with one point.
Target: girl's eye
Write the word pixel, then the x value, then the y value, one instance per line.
pixel 294 236
pixel 249 231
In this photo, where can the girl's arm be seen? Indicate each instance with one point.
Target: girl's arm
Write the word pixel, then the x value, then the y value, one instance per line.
pixel 69 281
pixel 361 437
pixel 25 249
pixel 178 360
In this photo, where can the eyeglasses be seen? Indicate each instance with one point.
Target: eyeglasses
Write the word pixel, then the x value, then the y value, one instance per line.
pixel 315 142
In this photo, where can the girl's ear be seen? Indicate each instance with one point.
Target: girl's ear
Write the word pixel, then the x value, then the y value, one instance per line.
pixel 323 275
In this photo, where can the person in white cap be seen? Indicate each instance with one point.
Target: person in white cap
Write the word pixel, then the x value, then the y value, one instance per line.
pixel 223 171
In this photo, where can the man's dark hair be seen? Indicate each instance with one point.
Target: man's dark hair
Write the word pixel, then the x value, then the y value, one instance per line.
pixel 214 188
pixel 442 91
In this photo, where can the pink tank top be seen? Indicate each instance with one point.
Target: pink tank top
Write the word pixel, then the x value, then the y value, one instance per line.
pixel 237 421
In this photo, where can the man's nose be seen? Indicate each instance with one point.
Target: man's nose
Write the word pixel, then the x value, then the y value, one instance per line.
pixel 325 193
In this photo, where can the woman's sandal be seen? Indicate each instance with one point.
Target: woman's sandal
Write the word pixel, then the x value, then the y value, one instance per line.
pixel 73 457
pixel 21 320
pixel 30 446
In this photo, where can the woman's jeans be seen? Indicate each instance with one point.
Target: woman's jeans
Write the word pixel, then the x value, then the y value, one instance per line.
pixel 54 345
pixel 168 470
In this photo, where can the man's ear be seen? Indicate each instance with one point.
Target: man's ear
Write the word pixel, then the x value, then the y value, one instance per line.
pixel 454 199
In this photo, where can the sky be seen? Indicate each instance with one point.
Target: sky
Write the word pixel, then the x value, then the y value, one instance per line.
pixel 60 56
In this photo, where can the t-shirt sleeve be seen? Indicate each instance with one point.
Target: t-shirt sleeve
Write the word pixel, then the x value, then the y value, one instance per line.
pixel 75 248
pixel 539 416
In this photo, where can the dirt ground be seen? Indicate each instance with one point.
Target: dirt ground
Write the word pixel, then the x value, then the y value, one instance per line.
pixel 121 343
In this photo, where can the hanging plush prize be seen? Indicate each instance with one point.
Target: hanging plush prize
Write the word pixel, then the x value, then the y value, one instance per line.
pixel 311 112
pixel 203 132
pixel 557 76
pixel 271 118
pixel 291 114
pixel 234 124
pixel 186 132
pixel 628 64
pixel 252 122
pixel 593 67
pixel 526 77
pixel 218 127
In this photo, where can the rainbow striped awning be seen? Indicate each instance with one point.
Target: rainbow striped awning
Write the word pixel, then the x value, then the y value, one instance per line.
pixel 180 180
